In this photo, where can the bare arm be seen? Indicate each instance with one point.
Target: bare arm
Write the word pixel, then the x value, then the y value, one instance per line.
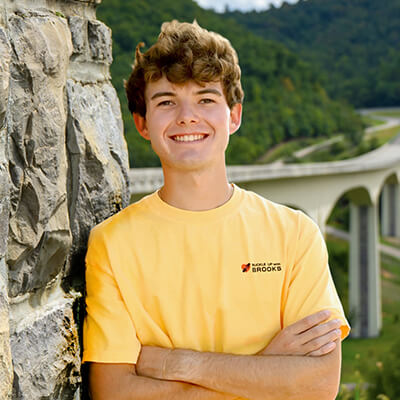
pixel 120 382
pixel 259 377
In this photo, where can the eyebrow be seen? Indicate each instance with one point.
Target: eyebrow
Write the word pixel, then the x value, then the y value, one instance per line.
pixel 161 94
pixel 209 90
pixel 202 91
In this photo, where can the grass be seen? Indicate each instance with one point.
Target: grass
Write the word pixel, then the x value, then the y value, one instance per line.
pixel 394 242
pixel 356 352
pixel 285 149
pixel 342 150
pixel 383 136
pixel 338 151
pixel 371 121
pixel 345 150
pixel 393 113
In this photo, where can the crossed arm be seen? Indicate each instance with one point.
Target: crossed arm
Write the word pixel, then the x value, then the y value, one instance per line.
pixel 301 362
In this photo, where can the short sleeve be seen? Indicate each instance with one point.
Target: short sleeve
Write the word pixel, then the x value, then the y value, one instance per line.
pixel 311 286
pixel 109 334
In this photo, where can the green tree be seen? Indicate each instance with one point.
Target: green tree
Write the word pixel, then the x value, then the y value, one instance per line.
pixel 353 44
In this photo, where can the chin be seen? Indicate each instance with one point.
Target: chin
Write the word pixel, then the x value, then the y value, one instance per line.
pixel 187 165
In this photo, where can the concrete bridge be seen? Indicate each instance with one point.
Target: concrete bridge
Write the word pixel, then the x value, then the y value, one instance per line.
pixel 315 188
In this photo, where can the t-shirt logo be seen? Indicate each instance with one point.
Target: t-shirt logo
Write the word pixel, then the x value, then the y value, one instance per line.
pixel 245 267
pixel 262 267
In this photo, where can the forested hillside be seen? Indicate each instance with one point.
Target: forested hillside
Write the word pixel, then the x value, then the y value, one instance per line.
pixel 283 95
pixel 354 43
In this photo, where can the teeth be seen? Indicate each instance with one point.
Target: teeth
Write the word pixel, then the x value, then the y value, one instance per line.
pixel 188 138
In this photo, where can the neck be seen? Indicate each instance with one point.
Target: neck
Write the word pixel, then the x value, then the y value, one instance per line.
pixel 196 190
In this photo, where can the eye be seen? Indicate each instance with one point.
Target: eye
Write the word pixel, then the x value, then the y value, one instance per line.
pixel 207 101
pixel 165 103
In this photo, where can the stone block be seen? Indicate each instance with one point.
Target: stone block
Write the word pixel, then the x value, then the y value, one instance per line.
pixel 39 234
pixel 4 179
pixel 6 375
pixel 2 14
pixel 5 59
pixel 4 208
pixel 78 27
pixel 100 42
pixel 45 352
pixel 98 157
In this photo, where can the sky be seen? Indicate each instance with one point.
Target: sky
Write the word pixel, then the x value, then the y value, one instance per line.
pixel 243 5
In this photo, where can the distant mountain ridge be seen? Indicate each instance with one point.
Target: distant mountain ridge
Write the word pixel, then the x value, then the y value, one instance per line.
pixel 354 43
pixel 284 98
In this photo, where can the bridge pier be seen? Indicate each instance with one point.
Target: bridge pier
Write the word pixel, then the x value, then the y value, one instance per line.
pixel 364 274
pixel 390 223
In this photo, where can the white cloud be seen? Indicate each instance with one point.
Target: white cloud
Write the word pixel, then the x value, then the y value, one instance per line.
pixel 243 5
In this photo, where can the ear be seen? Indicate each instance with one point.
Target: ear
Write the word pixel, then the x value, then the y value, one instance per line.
pixel 235 118
pixel 141 125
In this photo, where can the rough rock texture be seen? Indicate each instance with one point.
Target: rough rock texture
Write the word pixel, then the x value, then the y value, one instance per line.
pixel 99 36
pixel 94 142
pixel 50 340
pixel 5 355
pixel 39 238
pixel 63 169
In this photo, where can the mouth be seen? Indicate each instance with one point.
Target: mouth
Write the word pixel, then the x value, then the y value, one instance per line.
pixel 189 138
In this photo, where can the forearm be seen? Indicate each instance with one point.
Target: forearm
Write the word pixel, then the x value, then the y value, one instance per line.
pixel 143 388
pixel 120 382
pixel 255 377
pixel 249 376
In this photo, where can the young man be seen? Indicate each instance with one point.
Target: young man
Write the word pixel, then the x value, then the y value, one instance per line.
pixel 203 290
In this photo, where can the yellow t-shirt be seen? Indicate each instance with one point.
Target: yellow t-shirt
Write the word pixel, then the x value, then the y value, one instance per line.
pixel 223 280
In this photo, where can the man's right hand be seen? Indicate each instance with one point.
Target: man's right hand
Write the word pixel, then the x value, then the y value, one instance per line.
pixel 310 336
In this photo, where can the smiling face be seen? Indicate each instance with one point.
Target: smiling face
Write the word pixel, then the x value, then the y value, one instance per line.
pixel 188 124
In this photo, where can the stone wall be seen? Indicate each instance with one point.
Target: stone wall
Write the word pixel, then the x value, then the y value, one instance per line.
pixel 63 169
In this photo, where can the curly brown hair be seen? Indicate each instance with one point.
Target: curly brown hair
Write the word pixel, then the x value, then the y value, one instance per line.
pixel 185 52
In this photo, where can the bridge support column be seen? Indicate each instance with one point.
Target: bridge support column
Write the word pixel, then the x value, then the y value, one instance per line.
pixel 364 293
pixel 391 210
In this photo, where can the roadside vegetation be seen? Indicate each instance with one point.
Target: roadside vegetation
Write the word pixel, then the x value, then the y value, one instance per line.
pixel 390 241
pixel 284 150
pixel 369 120
pixel 389 113
pixel 339 150
pixel 370 360
pixel 383 136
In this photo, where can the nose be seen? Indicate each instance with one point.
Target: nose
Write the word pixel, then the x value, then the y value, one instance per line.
pixel 187 115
